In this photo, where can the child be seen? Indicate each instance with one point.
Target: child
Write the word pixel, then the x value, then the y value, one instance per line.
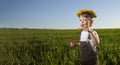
pixel 89 38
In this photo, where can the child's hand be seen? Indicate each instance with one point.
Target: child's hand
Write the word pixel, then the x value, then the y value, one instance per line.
pixel 78 44
pixel 89 29
pixel 80 28
pixel 72 43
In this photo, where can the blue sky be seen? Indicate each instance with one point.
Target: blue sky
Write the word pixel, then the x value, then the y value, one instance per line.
pixel 57 14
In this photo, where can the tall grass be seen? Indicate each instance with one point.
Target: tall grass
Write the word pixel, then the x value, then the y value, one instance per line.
pixel 51 47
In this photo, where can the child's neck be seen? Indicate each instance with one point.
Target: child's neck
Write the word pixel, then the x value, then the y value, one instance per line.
pixel 85 29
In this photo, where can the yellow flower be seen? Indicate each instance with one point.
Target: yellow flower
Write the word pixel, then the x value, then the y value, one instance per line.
pixel 90 12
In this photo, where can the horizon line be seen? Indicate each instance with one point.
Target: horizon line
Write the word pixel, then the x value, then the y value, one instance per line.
pixel 52 28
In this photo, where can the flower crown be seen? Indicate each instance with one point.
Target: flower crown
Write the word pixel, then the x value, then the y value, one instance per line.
pixel 91 13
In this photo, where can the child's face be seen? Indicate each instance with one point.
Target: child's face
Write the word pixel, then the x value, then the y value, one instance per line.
pixel 84 22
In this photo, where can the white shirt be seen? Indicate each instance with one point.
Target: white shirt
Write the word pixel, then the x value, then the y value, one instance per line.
pixel 84 36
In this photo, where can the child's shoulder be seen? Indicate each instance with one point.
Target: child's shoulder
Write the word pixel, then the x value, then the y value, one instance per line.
pixel 95 32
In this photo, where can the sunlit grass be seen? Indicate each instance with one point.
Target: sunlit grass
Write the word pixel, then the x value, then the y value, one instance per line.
pixel 51 47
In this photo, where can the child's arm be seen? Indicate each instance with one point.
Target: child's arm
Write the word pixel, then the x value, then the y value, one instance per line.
pixel 94 38
pixel 74 45
pixel 78 44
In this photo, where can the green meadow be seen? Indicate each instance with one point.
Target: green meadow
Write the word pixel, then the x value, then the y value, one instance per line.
pixel 51 47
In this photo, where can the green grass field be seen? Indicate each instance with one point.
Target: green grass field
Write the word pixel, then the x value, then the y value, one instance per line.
pixel 51 47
